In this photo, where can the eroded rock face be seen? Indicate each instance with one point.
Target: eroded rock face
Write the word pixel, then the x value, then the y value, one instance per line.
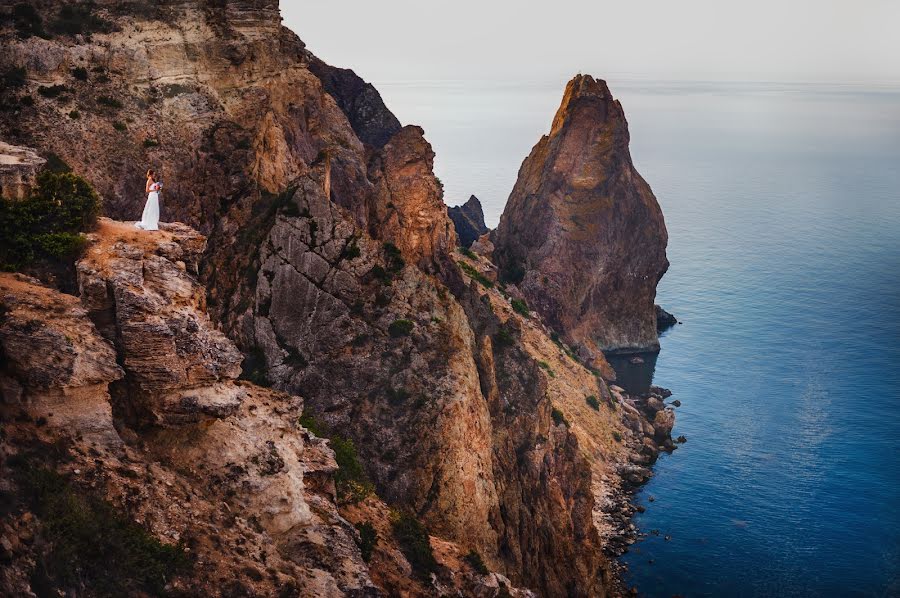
pixel 582 233
pixel 18 170
pixel 137 288
pixel 408 209
pixel 468 219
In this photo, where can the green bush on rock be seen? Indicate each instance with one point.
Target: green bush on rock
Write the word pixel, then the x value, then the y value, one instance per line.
pixel 413 539
pixel 46 225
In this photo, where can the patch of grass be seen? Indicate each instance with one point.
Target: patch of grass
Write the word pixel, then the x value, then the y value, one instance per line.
pixel 558 417
pixel 400 328
pixel 504 338
pixel 546 367
pixel 474 559
pixel 592 402
pixel 110 102
pixel 309 421
pixel 350 479
pixel 80 73
pixel 119 126
pixel 352 251
pixel 413 539
pixel 467 252
pixel 476 275
pixel 520 307
pixel 48 222
pixel 368 539
pixel 91 545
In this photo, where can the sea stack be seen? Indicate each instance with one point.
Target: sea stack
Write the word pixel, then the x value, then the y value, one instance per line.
pixel 582 233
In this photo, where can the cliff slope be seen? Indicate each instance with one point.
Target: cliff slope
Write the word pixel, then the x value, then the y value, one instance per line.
pixel 582 234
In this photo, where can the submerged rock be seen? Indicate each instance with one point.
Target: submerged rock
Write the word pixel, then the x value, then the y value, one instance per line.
pixel 582 233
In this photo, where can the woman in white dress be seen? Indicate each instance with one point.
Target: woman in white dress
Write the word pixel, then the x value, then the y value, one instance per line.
pixel 150 218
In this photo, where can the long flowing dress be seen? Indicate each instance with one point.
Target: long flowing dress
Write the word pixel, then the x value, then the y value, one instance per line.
pixel 150 217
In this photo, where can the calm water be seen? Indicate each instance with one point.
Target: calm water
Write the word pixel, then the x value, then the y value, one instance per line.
pixel 783 209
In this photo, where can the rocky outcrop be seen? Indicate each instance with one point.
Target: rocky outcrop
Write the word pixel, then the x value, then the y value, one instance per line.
pixel 664 320
pixel 408 209
pixel 244 481
pixel 582 234
pixel 139 290
pixel 468 219
pixel 18 170
pixel 371 120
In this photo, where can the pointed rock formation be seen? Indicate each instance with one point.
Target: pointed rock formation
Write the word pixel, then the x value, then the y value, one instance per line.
pixel 582 233
pixel 468 219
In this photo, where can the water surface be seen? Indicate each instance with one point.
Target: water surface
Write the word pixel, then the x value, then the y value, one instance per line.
pixel 783 209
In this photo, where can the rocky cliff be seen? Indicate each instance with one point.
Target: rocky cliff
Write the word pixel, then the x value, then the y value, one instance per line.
pixel 468 219
pixel 329 273
pixel 582 234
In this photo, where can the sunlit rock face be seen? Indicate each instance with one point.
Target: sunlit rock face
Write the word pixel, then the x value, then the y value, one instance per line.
pixel 582 233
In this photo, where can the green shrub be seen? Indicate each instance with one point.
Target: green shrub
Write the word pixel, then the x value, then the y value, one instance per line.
pixel 514 273
pixel 520 307
pixel 79 20
pixel 474 559
pixel 53 91
pixel 352 251
pixel 368 539
pixel 504 338
pixel 14 78
pixel 546 367
pixel 476 275
pixel 151 142
pixel 395 261
pixel 28 21
pixel 90 545
pixel 80 73
pixel 400 328
pixel 74 114
pixel 110 102
pixel 593 402
pixel 350 479
pixel 467 252
pixel 120 126
pixel 617 436
pixel 558 417
pixel 413 539
pixel 46 224
pixel 56 164
pixel 309 421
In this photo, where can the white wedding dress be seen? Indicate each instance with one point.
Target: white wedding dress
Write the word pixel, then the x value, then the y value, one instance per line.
pixel 150 217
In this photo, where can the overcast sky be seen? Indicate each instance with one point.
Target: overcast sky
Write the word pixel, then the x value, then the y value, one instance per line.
pixel 759 40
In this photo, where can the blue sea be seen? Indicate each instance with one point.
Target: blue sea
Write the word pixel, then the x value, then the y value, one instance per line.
pixel 782 203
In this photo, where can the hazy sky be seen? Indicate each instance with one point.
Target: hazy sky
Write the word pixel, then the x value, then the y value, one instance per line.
pixel 759 40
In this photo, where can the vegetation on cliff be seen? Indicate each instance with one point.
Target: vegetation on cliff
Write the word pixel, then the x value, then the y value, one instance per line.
pixel 49 222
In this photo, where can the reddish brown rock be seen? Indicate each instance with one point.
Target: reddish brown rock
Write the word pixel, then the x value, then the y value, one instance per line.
pixel 582 233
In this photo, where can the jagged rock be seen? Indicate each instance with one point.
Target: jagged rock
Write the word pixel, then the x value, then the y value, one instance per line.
pixel 409 210
pixel 371 120
pixel 664 320
pixel 154 312
pixel 18 170
pixel 53 359
pixel 468 220
pixel 582 233
pixel 483 246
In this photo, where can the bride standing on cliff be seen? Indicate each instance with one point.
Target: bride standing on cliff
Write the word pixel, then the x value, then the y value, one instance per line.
pixel 150 217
